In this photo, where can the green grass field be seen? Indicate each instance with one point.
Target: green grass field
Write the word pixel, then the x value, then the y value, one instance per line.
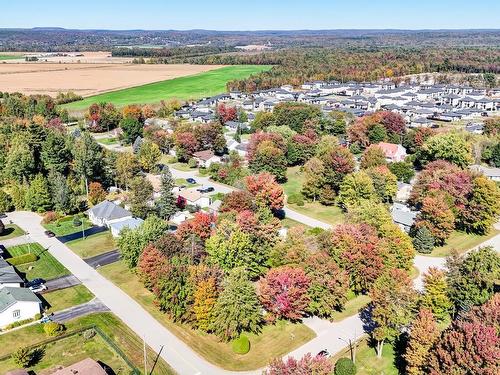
pixel 11 231
pixel 62 299
pixel 93 245
pixel 10 57
pixel 462 242
pixel 46 267
pixel 65 226
pixel 182 88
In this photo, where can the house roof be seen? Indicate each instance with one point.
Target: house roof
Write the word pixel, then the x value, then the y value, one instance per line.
pixel 109 211
pixel 487 171
pixel 190 195
pixel 403 216
pixel 131 223
pixel 10 296
pixel 85 367
pixel 204 155
pixel 9 275
pixel 390 149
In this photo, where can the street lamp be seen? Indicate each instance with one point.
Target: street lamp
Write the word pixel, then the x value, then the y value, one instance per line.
pixel 352 349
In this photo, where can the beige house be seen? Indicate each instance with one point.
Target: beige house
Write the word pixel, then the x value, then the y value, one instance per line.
pixel 205 158
pixel 194 198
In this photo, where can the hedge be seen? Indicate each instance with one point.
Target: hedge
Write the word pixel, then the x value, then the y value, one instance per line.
pixel 241 345
pixel 345 366
pixel 22 259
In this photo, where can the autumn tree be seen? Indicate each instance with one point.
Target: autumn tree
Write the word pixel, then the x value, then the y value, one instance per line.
pixel 237 309
pixel 283 292
pixel 127 167
pixel 151 262
pixel 238 200
pixel 437 217
pixel 373 156
pixel 318 365
pixel 205 298
pixel 435 297
pixel 149 156
pixel 266 190
pixel 96 193
pixel 356 188
pixel 393 301
pixel 226 113
pixel 314 181
pixel 423 334
pixel 271 159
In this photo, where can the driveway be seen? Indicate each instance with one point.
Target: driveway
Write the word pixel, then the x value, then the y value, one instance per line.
pixel 91 307
pixel 103 259
pixel 62 282
pixel 21 240
pixel 79 234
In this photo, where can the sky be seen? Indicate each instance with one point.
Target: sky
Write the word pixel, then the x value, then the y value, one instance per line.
pixel 251 14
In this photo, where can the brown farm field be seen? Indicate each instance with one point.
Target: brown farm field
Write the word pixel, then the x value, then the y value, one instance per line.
pixel 88 79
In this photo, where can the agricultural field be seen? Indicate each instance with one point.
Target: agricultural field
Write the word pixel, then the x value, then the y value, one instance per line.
pixel 88 79
pixel 195 86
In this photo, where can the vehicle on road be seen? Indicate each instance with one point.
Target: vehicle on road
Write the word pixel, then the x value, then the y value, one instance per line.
pixel 49 233
pixel 207 189
pixel 45 319
pixel 191 180
pixel 38 288
pixel 34 282
pixel 324 353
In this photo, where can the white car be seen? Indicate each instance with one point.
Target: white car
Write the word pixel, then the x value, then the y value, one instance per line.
pixel 38 288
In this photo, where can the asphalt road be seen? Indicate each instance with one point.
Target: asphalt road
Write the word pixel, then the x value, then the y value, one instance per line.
pixel 103 259
pixel 91 307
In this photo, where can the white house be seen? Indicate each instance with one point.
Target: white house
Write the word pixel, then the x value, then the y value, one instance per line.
pixel 106 213
pixel 180 217
pixel 393 152
pixel 205 158
pixel 118 226
pixel 194 198
pixel 17 304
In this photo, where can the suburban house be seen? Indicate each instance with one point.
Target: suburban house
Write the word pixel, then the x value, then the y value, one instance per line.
pixel 393 152
pixel 85 367
pixel 194 198
pixel 215 206
pixel 205 158
pixel 9 276
pixel 17 304
pixel 118 226
pixel 490 172
pixel 180 217
pixel 107 213
pixel 403 216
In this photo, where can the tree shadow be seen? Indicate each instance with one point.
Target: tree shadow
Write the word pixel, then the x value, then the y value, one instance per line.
pixel 36 356
pixel 6 232
pixel 106 368
pixel 399 349
pixel 365 315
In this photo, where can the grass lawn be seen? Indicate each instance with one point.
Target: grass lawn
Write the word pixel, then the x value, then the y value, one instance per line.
pixel 183 88
pixel 113 327
pixel 10 57
pixel 353 305
pixel 328 214
pixel 108 141
pixel 64 298
pixel 183 167
pixel 273 341
pixel 46 267
pixel 11 231
pixel 367 362
pixel 182 181
pixel 290 223
pixel 462 242
pixel 93 245
pixel 65 226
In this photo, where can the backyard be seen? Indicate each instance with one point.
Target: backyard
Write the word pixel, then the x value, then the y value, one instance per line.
pixel 46 267
pixel 93 245
pixel 273 341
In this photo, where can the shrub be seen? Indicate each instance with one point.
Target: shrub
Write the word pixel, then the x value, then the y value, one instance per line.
pixel 192 163
pixel 345 366
pixel 18 323
pixel 22 259
pixel 87 335
pixel 241 345
pixel 53 328
pixel 23 357
pixel 50 217
pixel 37 316
pixel 77 221
pixel 171 160
pixel 297 199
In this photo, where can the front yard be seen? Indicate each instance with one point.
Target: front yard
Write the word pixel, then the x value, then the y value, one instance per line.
pixel 62 299
pixel 11 231
pixel 46 267
pixel 65 226
pixel 462 242
pixel 274 340
pixel 93 245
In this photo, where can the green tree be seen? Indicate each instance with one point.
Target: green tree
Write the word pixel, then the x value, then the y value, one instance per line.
pixel 20 163
pixel 141 192
pixel 62 196
pixel 269 158
pixel 55 153
pixel 402 170
pixel 38 195
pixel 377 133
pixel 23 357
pixel 6 204
pixel 368 212
pixel 452 147
pixel 384 182
pixel 149 156
pixel 88 159
pixel 314 181
pixel 127 167
pixel 423 240
pixel 237 309
pixel 166 203
pixel 356 188
pixel 435 297
pixel 132 128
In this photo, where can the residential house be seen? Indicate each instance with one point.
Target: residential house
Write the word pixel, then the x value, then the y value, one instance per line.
pixel 490 172
pixel 205 158
pixel 180 217
pixel 9 276
pixel 393 152
pixel 85 367
pixel 403 216
pixel 194 197
pixel 17 304
pixel 106 213
pixel 118 226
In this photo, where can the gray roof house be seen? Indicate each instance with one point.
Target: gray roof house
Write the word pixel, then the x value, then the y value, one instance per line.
pixel 106 213
pixel 9 275
pixel 403 216
pixel 17 304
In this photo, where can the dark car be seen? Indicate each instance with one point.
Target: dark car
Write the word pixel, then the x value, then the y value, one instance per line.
pixel 191 180
pixel 49 233
pixel 324 353
pixel 34 283
pixel 208 189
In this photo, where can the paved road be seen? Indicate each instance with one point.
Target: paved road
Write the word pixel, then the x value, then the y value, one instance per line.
pixel 103 259
pixel 91 307
pixel 62 282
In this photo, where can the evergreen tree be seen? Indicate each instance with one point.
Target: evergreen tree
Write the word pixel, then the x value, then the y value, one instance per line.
pixel 423 240
pixel 38 195
pixel 237 309
pixel 62 196
pixel 166 204
pixel 88 159
pixel 55 153
pixel 5 202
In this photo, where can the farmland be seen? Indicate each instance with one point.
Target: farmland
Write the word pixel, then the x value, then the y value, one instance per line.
pixel 190 87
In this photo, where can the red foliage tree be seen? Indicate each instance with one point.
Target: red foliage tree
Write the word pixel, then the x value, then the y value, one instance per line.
pixel 266 190
pixel 238 201
pixel 187 142
pixel 226 113
pixel 437 217
pixel 247 221
pixel 393 122
pixel 96 193
pixel 150 264
pixel 307 365
pixel 283 292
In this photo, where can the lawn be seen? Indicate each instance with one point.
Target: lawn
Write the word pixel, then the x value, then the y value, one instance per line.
pixel 328 214
pixel 183 182
pixel 107 141
pixel 65 226
pixel 119 333
pixel 183 88
pixel 64 298
pixel 46 267
pixel 290 223
pixel 353 305
pixel 11 231
pixel 93 245
pixel 273 341
pixel 10 57
pixel 73 349
pixel 462 242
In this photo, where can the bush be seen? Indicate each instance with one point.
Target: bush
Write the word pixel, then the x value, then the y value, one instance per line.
pixel 53 328
pixel 192 163
pixel 5 202
pixel 241 345
pixel 18 323
pixel 345 366
pixel 22 259
pixel 50 217
pixel 23 357
pixel 171 160
pixel 87 335
pixel 77 221
pixel 297 199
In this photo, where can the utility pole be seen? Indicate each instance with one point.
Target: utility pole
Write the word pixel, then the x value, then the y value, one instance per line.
pixel 145 363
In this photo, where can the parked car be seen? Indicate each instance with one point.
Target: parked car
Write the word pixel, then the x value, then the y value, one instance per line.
pixel 324 353
pixel 45 319
pixel 38 288
pixel 34 282
pixel 49 233
pixel 191 180
pixel 207 189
